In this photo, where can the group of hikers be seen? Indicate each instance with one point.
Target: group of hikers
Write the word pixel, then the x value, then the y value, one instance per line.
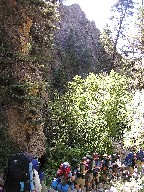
pixel 25 173
pixel 96 169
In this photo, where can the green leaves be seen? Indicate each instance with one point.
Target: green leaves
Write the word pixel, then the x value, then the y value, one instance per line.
pixel 134 135
pixel 122 10
pixel 88 117
pixel 91 112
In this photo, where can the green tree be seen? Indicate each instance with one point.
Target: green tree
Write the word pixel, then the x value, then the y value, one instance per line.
pixel 105 46
pixel 134 135
pixel 91 113
pixel 122 10
pixel 135 39
pixel 133 49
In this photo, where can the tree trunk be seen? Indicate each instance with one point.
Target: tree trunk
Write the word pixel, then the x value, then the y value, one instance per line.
pixel 116 42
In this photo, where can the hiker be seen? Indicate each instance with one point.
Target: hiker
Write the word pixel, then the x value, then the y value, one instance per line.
pixel 89 173
pixel 115 169
pixel 19 176
pixel 96 170
pixel 114 157
pixel 74 170
pixel 39 177
pixel 140 157
pixel 80 181
pixel 42 162
pixel 63 179
pixel 129 161
pixel 104 168
pixel 39 165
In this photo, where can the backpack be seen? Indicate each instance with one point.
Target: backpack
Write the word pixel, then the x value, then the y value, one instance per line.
pixel 140 155
pixel 81 170
pixel 96 168
pixel 90 167
pixel 74 166
pixel 128 159
pixel 105 164
pixel 114 157
pixel 18 176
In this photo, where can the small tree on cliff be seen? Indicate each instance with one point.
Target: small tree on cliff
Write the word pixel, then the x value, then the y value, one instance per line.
pixel 122 10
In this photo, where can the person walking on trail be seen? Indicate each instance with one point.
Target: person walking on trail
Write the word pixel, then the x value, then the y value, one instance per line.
pixel 38 166
pixel 22 174
pixel 74 169
pixel 105 166
pixel 18 173
pixel 129 161
pixel 89 173
pixel 96 170
pixel 80 181
pixel 64 178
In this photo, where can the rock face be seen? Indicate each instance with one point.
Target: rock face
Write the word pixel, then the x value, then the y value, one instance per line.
pixel 75 26
pixel 76 41
pixel 20 84
pixel 23 91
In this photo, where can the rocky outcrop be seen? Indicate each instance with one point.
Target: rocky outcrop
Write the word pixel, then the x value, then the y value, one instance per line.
pixel 16 24
pixel 76 26
pixel 76 42
pixel 22 89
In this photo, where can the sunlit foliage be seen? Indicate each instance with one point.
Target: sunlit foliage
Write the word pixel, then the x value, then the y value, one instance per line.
pixel 135 135
pixel 91 113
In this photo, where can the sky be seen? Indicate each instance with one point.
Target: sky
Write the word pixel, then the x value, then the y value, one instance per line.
pixel 96 10
pixel 99 11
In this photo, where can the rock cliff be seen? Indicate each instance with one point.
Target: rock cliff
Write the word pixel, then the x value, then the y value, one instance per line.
pixel 76 45
pixel 23 91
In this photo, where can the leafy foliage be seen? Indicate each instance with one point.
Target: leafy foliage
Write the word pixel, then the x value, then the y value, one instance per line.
pixel 7 147
pixel 132 50
pixel 87 118
pixel 91 113
pixel 105 47
pixel 26 30
pixel 134 135
pixel 122 10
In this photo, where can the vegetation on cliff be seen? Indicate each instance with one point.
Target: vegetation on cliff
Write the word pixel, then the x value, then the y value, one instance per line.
pixel 23 90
